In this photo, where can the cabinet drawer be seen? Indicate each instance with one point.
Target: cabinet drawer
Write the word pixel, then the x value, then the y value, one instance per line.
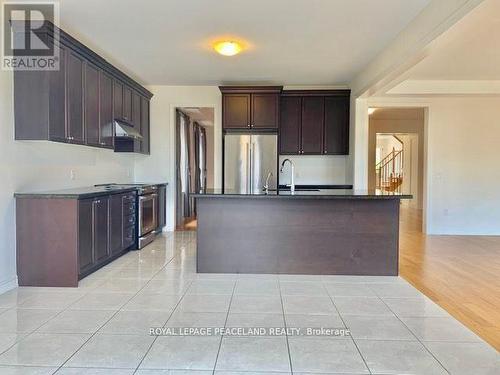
pixel 129 198
pixel 129 221
pixel 128 209
pixel 128 236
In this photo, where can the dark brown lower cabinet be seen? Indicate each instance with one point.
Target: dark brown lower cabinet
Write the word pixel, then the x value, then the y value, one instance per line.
pixel 94 216
pixel 61 240
pixel 85 235
pixel 109 218
pixel 115 223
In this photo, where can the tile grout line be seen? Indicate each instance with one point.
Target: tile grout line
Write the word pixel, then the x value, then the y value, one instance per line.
pixel 170 316
pixel 112 316
pixel 286 325
pixel 225 323
pixel 418 340
pixel 345 325
pixel 27 334
pixel 156 338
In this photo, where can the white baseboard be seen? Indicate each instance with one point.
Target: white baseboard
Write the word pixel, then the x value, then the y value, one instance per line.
pixel 8 285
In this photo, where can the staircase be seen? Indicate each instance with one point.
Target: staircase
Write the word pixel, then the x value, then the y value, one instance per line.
pixel 390 172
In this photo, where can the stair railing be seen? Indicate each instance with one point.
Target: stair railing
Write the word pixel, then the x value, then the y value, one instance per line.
pixel 390 171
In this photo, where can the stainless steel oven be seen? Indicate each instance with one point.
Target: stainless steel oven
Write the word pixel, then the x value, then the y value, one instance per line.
pixel 148 214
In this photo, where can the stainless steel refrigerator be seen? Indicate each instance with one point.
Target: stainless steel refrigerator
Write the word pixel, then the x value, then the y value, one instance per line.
pixel 250 160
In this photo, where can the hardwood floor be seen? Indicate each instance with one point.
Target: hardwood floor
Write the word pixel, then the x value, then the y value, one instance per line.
pixel 460 273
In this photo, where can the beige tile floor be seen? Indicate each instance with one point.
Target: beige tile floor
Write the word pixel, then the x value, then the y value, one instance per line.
pixel 102 327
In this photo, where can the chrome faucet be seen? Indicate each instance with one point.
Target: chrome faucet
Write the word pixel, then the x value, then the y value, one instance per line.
pixel 266 186
pixel 292 178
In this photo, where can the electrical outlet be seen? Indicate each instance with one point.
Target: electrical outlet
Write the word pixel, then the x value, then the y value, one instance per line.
pixel 72 174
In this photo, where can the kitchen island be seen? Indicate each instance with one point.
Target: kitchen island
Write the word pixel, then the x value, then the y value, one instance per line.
pixel 319 232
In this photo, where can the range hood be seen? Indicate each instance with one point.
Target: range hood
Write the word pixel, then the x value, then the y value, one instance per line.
pixel 125 130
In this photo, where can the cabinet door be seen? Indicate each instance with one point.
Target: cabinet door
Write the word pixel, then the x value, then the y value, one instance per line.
pixel 290 124
pixel 265 111
pixel 57 99
pixel 115 223
pixel 100 226
pixel 312 125
pixel 136 110
pixel 74 89
pixel 105 110
pixel 236 111
pixel 336 126
pixel 92 104
pixel 145 149
pixel 162 199
pixel 85 235
pixel 117 100
pixel 136 119
pixel 127 104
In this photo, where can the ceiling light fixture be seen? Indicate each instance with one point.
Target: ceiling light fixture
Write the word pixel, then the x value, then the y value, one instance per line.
pixel 228 48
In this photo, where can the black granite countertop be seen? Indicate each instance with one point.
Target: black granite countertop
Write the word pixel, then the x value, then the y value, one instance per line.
pixel 81 192
pixel 306 194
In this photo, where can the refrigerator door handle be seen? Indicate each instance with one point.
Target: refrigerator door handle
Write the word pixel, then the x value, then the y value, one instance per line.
pixel 250 179
pixel 247 149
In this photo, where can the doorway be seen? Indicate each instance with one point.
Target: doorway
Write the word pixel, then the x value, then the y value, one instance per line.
pixel 194 164
pixel 396 157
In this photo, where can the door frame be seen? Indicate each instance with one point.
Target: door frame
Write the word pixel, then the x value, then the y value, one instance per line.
pixel 388 102
pixel 171 218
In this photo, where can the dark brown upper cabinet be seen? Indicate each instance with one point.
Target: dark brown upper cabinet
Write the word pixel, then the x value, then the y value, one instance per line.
pixel 105 110
pixel 92 123
pixel 77 103
pixel 236 111
pixel 250 107
pixel 145 125
pixel 57 99
pixel 127 104
pixel 313 110
pixel 265 111
pixel 117 99
pixel 74 91
pixel 291 112
pixel 314 122
pixel 336 140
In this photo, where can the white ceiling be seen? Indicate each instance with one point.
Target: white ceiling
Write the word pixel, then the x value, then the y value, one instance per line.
pixel 292 42
pixel 468 51
pixel 202 115
pixel 399 113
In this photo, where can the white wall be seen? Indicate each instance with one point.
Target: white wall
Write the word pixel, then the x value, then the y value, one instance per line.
pixel 159 166
pixel 40 165
pixel 462 174
pixel 316 170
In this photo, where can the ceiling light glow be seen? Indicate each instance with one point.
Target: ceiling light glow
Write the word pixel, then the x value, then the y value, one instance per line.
pixel 228 48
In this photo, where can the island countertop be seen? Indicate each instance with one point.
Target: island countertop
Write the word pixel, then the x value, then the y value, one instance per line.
pixel 304 194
